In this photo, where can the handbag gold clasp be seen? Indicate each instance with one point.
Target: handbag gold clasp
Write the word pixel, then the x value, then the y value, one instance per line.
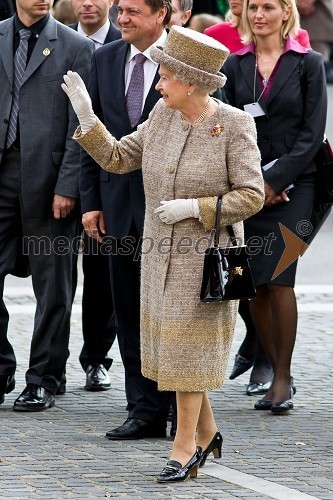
pixel 237 270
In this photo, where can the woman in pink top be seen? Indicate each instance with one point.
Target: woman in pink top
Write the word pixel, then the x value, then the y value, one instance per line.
pixel 230 32
pixel 251 352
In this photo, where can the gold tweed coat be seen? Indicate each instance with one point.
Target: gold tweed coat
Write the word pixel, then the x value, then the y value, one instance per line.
pixel 185 343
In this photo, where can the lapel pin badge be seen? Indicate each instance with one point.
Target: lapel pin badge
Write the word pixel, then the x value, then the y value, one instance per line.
pixel 46 52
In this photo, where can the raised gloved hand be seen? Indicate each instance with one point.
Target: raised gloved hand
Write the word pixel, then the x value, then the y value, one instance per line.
pixel 76 90
pixel 175 210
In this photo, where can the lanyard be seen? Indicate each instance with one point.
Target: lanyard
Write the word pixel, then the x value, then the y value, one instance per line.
pixel 254 83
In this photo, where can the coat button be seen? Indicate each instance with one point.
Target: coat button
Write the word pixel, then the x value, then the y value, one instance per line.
pixel 165 258
pixel 171 169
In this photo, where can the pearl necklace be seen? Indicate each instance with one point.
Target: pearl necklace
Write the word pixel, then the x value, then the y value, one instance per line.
pixel 203 115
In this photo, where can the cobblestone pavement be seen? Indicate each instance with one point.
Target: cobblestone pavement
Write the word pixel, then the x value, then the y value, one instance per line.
pixel 62 453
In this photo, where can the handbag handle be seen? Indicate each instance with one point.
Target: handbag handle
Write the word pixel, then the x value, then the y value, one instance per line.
pixel 230 229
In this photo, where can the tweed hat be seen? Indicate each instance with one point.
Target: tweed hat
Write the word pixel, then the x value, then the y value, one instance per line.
pixel 193 56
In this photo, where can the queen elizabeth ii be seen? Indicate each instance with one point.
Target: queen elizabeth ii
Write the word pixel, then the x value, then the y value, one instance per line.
pixel 191 148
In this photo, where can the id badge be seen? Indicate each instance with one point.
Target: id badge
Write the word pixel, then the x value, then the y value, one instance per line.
pixel 254 109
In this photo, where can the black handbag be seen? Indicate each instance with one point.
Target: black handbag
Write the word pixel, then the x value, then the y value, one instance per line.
pixel 226 271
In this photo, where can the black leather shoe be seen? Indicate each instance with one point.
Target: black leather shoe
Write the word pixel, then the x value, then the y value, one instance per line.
pixel 263 404
pixel 134 428
pixel 256 389
pixel 241 365
pixel 34 398
pixel 214 446
pixel 7 385
pixel 173 471
pixel 284 406
pixel 97 378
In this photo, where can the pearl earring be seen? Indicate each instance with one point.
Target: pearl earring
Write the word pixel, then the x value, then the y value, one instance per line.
pixel 189 93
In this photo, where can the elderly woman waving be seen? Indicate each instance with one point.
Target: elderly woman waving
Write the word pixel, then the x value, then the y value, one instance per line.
pixel 191 148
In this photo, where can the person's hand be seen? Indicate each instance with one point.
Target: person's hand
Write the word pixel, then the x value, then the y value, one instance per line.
pixel 76 90
pixel 272 197
pixel 93 224
pixel 175 210
pixel 62 206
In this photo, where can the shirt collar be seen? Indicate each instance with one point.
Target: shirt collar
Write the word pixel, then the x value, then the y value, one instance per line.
pixel 291 45
pixel 35 28
pixel 99 36
pixel 161 42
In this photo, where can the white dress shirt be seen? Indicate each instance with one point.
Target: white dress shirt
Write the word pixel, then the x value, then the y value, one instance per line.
pixel 99 37
pixel 150 67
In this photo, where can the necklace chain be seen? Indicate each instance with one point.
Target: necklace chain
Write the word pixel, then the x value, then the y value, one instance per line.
pixel 203 115
pixel 265 62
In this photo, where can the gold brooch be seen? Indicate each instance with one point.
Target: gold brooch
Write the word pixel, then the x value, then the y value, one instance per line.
pixel 216 130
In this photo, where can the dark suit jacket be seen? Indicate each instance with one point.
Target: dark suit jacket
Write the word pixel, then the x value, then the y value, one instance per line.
pixel 295 114
pixel 121 197
pixel 112 34
pixel 49 156
pixel 125 199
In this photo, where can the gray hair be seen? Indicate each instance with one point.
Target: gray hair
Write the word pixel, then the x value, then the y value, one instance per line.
pixel 203 87
pixel 186 5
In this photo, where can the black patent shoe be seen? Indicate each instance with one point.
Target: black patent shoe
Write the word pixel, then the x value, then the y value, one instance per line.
pixel 7 385
pixel 173 471
pixel 34 398
pixel 284 406
pixel 215 447
pixel 241 365
pixel 256 389
pixel 263 404
pixel 97 378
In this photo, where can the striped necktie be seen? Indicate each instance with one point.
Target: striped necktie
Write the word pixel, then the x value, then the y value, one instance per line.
pixel 20 62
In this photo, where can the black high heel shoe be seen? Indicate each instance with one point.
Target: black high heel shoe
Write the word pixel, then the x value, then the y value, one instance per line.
pixel 214 446
pixel 263 404
pixel 241 365
pixel 284 406
pixel 173 471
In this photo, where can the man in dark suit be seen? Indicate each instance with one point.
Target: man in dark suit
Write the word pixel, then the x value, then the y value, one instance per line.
pixel 114 204
pixel 98 321
pixel 39 186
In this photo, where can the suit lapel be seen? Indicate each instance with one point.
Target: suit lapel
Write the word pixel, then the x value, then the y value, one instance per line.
pixel 43 48
pixel 114 79
pixel 151 99
pixel 288 63
pixel 248 65
pixel 7 47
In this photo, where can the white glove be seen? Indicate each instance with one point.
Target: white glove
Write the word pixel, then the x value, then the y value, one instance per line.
pixel 175 210
pixel 76 90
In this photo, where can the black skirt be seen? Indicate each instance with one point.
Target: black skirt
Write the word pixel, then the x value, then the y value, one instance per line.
pixel 265 239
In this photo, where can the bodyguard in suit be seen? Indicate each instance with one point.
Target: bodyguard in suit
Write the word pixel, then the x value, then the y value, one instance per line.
pixel 116 203
pixel 98 320
pixel 39 175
